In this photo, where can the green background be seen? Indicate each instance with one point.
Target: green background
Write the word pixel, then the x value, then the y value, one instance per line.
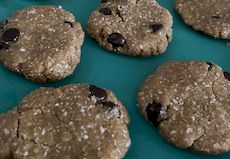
pixel 122 74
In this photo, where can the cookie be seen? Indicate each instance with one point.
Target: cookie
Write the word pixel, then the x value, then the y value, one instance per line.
pixel 210 17
pixel 190 103
pixel 131 27
pixel 41 42
pixel 71 122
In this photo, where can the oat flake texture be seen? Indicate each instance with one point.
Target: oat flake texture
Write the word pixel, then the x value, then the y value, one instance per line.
pixel 209 16
pixel 190 102
pixel 43 43
pixel 131 27
pixel 70 122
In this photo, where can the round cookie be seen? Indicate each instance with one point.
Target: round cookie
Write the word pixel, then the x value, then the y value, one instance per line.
pixel 41 42
pixel 131 27
pixel 74 121
pixel 190 102
pixel 210 17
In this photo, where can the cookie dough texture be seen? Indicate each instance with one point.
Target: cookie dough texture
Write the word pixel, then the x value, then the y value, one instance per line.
pixel 190 102
pixel 72 122
pixel 211 17
pixel 41 42
pixel 131 27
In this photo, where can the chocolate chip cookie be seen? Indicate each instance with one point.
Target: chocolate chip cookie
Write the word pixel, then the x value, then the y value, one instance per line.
pixel 210 17
pixel 72 122
pixel 131 27
pixel 41 42
pixel 190 102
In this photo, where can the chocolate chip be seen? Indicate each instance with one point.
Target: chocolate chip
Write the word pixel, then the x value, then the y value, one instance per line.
pixel 153 112
pixel 216 16
pixel 227 75
pixel 4 46
pixel 109 104
pixel 99 93
pixel 11 35
pixel 114 109
pixel 116 39
pixel 105 11
pixel 70 23
pixel 210 66
pixel 155 27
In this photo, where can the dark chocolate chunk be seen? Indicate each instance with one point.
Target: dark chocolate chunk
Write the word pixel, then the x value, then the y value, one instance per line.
pixel 153 112
pixel 227 75
pixel 216 16
pixel 11 35
pixel 116 39
pixel 109 104
pixel 155 27
pixel 114 109
pixel 3 46
pixel 99 93
pixel 70 23
pixel 210 66
pixel 105 11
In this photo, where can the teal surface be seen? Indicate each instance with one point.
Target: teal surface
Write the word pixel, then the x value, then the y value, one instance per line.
pixel 122 74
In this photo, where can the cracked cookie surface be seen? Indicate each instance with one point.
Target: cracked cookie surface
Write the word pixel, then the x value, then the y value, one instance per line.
pixel 210 17
pixel 190 102
pixel 131 27
pixel 41 42
pixel 72 122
